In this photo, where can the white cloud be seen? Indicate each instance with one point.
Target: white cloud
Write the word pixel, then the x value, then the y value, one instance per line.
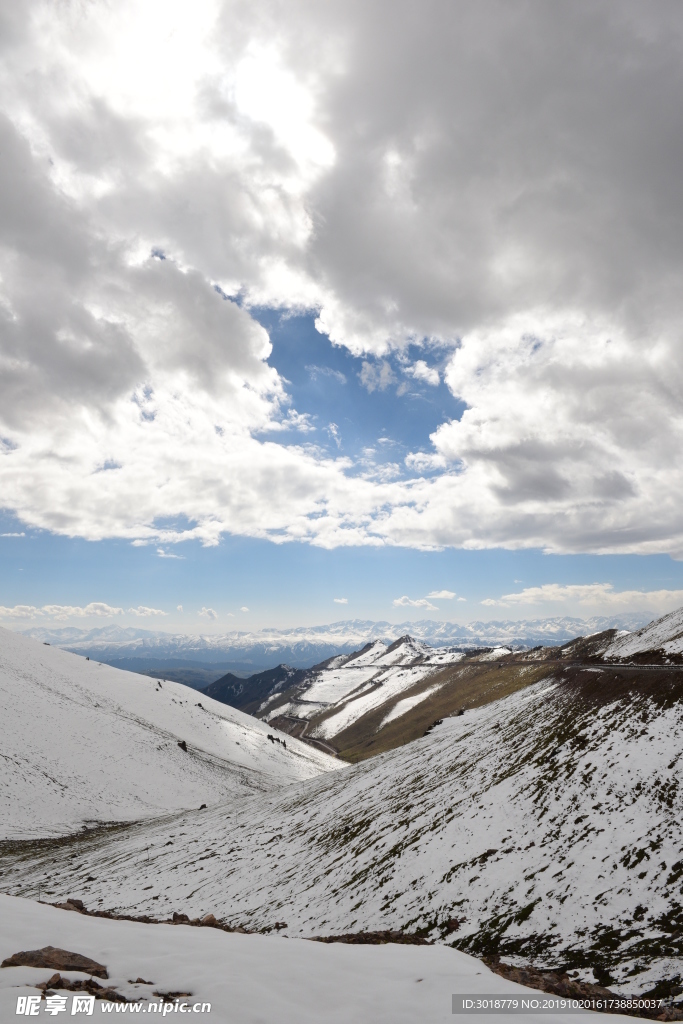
pixel 143 612
pixel 20 611
pixel 425 462
pixel 96 609
pixel 244 608
pixel 376 376
pixel 333 431
pixel 406 602
pixel 208 613
pixel 340 600
pixel 443 595
pixel 421 371
pixel 179 608
pixel 597 595
pixel 12 534
pixel 134 393
pixel 167 554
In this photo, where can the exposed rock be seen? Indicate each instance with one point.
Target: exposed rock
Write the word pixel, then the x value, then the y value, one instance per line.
pixel 375 938
pixel 90 986
pixel 170 997
pixel 56 959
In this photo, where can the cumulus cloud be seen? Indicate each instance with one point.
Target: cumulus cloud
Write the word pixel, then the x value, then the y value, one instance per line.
pixel 501 181
pixel 19 611
pixel 340 600
pixel 421 602
pixel 97 609
pixel 421 371
pixel 144 613
pixel 208 613
pixel 244 609
pixel 598 595
pixel 443 595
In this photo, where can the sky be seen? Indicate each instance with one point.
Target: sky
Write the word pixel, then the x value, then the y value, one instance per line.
pixel 320 311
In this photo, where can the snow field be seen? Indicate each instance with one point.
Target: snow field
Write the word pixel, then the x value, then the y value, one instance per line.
pixel 394 681
pixel 405 705
pixel 249 978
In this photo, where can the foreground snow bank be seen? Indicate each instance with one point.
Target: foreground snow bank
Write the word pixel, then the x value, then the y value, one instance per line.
pixel 248 977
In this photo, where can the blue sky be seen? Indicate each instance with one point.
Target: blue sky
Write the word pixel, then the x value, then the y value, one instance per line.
pixel 296 583
pixel 325 381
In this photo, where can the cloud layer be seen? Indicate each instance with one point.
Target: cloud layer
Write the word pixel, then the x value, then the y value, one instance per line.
pixel 64 612
pixel 594 595
pixel 498 180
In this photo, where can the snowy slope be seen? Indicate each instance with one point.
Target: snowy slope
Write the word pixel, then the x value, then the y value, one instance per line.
pixel 663 636
pixel 250 977
pixel 351 686
pixel 546 823
pixel 83 742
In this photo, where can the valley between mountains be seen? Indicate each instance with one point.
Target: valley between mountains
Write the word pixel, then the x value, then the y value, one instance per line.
pixel 523 805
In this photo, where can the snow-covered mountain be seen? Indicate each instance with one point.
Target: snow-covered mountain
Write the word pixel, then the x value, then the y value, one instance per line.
pixel 544 826
pixel 384 694
pixel 661 640
pixel 305 646
pixel 85 743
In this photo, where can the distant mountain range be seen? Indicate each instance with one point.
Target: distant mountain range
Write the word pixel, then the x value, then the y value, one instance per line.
pixel 304 646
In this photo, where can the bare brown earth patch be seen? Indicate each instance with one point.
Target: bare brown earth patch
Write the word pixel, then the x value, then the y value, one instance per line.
pixel 561 984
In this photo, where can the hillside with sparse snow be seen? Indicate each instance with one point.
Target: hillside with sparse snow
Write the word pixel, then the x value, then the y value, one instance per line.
pixel 659 640
pixel 383 695
pixel 85 743
pixel 347 687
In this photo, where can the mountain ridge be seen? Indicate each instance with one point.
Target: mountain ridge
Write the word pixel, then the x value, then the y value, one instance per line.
pixel 305 646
